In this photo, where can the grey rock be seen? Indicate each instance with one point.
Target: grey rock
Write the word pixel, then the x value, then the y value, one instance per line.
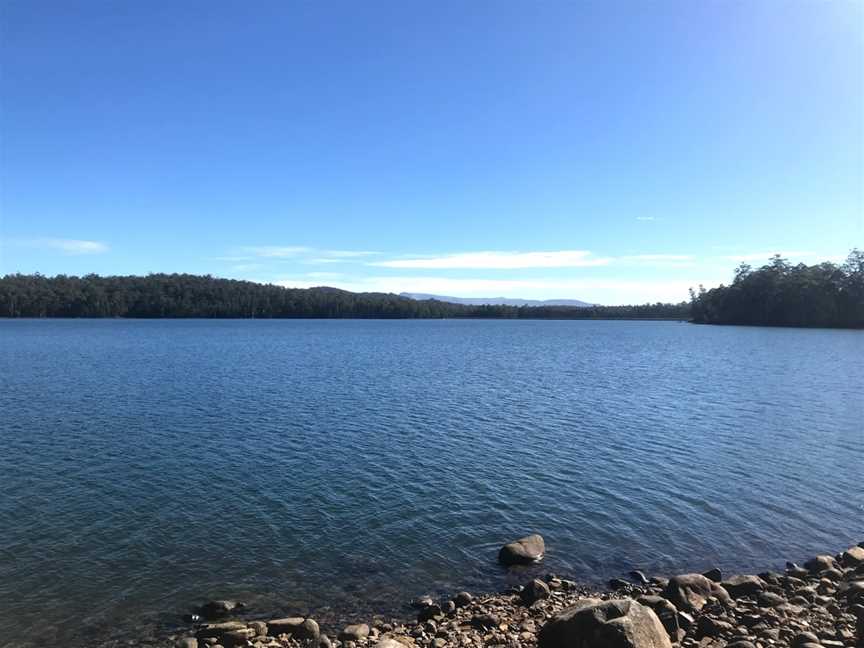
pixel 714 575
pixel 354 632
pixel 527 550
pixel 288 625
pixel 237 638
pixel 770 599
pixel 462 599
pixel 638 577
pixel 739 586
pixel 259 627
pixel 820 563
pixel 485 621
pixel 618 583
pixel 593 623
pixel 690 592
pixel 710 627
pixel 666 612
pixel 187 642
pixel 387 642
pixel 803 638
pixel 217 630
pixel 535 591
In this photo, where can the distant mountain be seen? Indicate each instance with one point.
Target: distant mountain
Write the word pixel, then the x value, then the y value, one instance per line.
pixel 498 301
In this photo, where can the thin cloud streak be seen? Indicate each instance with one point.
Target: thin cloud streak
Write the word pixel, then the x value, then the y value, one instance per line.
pixel 67 246
pixel 499 260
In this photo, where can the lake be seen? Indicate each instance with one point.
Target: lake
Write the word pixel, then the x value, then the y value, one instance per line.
pixel 344 467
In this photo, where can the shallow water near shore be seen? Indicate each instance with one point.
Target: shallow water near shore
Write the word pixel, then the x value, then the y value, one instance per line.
pixel 352 465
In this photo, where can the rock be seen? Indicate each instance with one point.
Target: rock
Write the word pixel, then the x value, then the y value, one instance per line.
pixel 354 632
pixel 485 621
pixel 462 599
pixel 618 583
pixel 690 592
pixel 237 638
pixel 288 625
pixel 638 577
pixel 852 557
pixel 803 638
pixel 820 564
pixel 387 642
pixel 448 608
pixel 217 630
pixel 666 612
pixel 259 627
pixel 739 586
pixel 527 550
pixel 710 627
pixel 422 602
pixel 741 643
pixel 324 641
pixel 308 630
pixel 770 599
pixel 219 609
pixel 535 591
pixel 187 642
pixel 593 623
pixel 714 575
pixel 431 612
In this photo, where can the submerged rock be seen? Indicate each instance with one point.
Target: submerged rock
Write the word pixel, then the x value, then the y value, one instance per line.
pixel 594 623
pixel 524 551
pixel 219 609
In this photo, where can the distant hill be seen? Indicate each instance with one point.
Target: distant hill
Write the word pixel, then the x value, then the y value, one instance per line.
pixel 184 295
pixel 498 301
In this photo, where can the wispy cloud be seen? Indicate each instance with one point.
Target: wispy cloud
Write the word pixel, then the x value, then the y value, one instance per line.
pixel 645 218
pixel 66 246
pixel 296 252
pixel 499 260
pixel 659 257
pixel 275 251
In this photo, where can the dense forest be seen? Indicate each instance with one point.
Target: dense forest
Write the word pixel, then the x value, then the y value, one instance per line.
pixel 183 295
pixel 781 294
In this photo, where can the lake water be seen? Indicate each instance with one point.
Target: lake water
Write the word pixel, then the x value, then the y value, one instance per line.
pixel 341 467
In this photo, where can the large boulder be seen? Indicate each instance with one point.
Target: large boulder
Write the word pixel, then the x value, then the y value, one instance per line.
pixel 524 551
pixel 690 592
pixel 594 623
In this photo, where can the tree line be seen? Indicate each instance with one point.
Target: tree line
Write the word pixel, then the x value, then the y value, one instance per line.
pixel 782 294
pixel 184 295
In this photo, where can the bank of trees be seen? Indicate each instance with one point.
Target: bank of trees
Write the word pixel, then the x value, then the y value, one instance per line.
pixel 183 295
pixel 782 294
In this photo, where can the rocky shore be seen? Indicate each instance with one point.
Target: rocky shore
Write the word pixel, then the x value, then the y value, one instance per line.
pixel 817 604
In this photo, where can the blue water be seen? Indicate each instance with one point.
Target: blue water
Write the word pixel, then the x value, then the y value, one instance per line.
pixel 340 467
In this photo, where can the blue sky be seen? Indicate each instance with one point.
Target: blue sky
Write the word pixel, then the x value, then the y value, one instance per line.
pixel 608 151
